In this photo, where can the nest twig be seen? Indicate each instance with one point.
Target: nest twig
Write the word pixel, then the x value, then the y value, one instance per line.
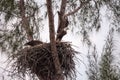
pixel 38 60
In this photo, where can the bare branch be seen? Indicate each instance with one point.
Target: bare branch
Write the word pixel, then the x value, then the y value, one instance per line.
pixel 76 10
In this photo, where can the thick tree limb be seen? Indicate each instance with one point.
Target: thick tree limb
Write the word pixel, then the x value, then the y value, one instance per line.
pixel 62 21
pixel 77 9
pixel 60 16
pixel 59 75
pixel 63 6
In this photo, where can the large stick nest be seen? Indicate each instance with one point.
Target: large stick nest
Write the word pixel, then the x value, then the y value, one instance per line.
pixel 38 60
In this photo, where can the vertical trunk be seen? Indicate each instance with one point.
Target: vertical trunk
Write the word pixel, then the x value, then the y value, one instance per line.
pixel 59 75
pixel 25 23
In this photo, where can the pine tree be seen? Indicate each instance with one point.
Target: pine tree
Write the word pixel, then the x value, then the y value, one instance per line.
pixel 21 20
pixel 107 71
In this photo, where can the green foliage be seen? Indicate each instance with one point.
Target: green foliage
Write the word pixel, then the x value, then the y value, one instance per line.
pixel 88 18
pixel 8 7
pixel 107 72
pixel 93 69
pixel 114 7
pixel 12 40
pixel 13 35
pixel 104 68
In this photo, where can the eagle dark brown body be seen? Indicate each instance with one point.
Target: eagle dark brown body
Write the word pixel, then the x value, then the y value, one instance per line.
pixel 33 43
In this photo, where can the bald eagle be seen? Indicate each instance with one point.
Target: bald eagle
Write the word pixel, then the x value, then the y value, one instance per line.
pixel 33 43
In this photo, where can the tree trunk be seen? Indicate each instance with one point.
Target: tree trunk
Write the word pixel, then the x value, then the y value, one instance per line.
pixel 59 75
pixel 25 23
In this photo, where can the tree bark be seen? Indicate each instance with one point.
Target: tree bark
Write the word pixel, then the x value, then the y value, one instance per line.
pixel 25 23
pixel 59 75
pixel 62 21
pixel 62 18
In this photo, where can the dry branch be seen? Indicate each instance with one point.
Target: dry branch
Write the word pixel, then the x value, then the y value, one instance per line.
pixel 62 21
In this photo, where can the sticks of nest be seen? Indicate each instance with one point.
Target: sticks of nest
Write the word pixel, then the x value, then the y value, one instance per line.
pixel 38 60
